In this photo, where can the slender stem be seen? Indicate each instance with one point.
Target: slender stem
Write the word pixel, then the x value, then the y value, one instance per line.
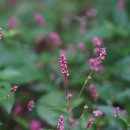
pixel 81 91
pixel 67 108
pixel 86 81
pixel 81 115
pixel 5 97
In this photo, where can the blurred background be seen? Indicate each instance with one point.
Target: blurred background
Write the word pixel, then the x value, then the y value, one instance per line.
pixel 34 34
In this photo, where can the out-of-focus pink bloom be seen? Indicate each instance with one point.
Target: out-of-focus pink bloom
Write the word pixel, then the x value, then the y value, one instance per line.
pixel 17 110
pixel 93 92
pixel 0 33
pixel 12 23
pixel 69 95
pixel 30 105
pixel 116 111
pixel 97 41
pixel 35 125
pixel 90 122
pixel 60 125
pixel 71 48
pixel 73 121
pixel 121 5
pixel 39 19
pixel 55 38
pixel 98 113
pixel 96 50
pixel 63 65
pixel 82 46
pixel 14 88
pixel 90 13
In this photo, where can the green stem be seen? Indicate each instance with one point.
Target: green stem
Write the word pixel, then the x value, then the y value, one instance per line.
pixel 86 81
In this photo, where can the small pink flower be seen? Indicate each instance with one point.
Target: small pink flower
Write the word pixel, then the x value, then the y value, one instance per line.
pixel 97 41
pixel 86 107
pixel 39 19
pixel 69 95
pixel 63 65
pixel 98 113
pixel 82 46
pixel 30 105
pixel 117 111
pixel 89 77
pixel 0 33
pixel 93 92
pixel 90 122
pixel 14 88
pixel 60 125
pixel 55 38
pixel 35 125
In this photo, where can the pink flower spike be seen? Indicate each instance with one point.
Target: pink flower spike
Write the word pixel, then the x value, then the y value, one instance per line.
pixel 90 122
pixel 98 113
pixel 14 88
pixel 93 92
pixel 116 111
pixel 69 95
pixel 60 125
pixel 30 105
pixel 97 41
pixel 63 65
pixel 0 33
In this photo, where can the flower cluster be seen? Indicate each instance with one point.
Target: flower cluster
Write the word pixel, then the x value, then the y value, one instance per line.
pixel 90 121
pixel 116 111
pixel 60 125
pixel 30 105
pixel 63 65
pixel 95 62
pixel 97 113
pixel 14 88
